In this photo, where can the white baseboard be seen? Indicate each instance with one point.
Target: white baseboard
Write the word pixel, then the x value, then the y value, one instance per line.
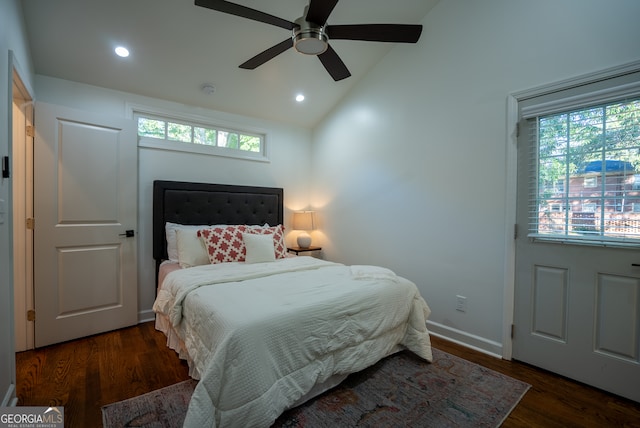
pixel 466 339
pixel 10 399
pixel 147 315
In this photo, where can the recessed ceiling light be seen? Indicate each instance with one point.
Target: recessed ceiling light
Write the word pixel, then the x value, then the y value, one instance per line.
pixel 299 98
pixel 122 51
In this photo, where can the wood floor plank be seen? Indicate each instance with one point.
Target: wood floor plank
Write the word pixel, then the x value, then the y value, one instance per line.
pixel 85 374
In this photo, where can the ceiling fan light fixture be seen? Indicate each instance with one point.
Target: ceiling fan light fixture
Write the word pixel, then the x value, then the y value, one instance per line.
pixel 309 39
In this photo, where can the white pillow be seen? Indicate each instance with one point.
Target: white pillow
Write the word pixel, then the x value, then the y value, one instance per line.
pixel 259 248
pixel 170 232
pixel 191 249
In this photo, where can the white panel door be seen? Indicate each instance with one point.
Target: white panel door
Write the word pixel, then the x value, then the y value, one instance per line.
pixel 577 307
pixel 85 186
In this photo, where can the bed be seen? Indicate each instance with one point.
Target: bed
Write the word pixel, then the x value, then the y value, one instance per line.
pixel 262 330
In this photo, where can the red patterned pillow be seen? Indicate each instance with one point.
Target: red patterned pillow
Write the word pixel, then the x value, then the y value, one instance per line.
pixel 224 244
pixel 278 238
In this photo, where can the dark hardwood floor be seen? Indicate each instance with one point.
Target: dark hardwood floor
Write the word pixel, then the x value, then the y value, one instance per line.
pixel 85 374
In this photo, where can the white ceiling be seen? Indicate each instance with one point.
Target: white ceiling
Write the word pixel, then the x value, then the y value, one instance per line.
pixel 176 47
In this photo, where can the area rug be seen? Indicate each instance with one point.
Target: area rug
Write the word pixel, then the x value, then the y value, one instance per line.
pixel 399 391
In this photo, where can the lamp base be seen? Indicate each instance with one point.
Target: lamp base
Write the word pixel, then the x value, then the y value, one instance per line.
pixel 304 240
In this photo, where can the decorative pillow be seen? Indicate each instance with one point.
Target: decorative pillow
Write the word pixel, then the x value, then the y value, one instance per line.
pixel 259 248
pixel 191 249
pixel 224 244
pixel 170 232
pixel 278 238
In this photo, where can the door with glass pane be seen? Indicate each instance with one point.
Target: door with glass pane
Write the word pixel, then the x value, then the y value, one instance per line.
pixel 577 296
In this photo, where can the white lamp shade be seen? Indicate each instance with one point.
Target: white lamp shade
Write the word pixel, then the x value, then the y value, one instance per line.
pixel 304 220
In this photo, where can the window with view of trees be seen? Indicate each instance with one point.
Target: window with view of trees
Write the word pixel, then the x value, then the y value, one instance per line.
pixel 183 135
pixel 588 164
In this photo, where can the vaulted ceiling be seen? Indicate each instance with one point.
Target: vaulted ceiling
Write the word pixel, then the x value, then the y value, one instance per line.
pixel 177 47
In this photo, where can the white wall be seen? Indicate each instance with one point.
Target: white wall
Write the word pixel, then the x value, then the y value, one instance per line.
pixel 289 153
pixel 410 169
pixel 12 38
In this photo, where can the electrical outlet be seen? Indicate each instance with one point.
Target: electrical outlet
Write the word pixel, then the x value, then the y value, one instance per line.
pixel 461 303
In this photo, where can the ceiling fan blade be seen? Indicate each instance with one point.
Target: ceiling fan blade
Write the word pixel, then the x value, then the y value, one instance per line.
pixel 245 12
pixel 265 56
pixel 334 64
pixel 319 11
pixel 397 33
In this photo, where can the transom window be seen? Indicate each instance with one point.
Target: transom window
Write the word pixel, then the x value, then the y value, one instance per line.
pixel 173 134
pixel 588 161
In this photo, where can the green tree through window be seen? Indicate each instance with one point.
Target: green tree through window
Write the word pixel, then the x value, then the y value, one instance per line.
pixel 588 161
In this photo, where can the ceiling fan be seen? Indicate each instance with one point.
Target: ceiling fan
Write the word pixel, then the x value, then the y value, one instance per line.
pixel 311 33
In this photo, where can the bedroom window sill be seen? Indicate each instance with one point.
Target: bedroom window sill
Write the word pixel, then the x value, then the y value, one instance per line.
pixel 150 143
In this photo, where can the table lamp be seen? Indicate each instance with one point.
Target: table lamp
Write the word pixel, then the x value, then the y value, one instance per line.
pixel 304 221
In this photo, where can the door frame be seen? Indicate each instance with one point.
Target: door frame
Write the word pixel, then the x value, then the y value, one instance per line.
pixel 22 176
pixel 23 284
pixel 511 228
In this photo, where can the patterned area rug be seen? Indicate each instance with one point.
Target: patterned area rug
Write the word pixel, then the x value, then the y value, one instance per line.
pixel 399 391
pixel 166 407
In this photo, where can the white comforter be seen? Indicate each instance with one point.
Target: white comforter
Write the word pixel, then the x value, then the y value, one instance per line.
pixel 262 335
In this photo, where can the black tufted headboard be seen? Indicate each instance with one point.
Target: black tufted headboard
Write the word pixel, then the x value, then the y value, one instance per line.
pixel 203 203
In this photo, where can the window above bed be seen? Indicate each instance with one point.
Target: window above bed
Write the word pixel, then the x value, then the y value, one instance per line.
pixel 196 136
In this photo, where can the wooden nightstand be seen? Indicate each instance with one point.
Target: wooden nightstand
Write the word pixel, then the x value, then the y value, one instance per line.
pixel 298 250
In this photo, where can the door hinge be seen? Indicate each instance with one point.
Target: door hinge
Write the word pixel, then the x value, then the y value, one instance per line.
pixel 515 231
pixel 513 330
pixel 31 315
pixel 517 129
pixel 31 223
pixel 30 131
